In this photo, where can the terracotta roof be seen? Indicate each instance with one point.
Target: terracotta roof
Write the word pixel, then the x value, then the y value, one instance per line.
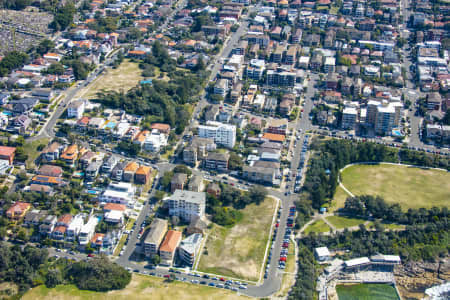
pixel 65 219
pixel 18 207
pixel 70 152
pixel 171 241
pixel 136 52
pixel 131 167
pixel 274 137
pixel 98 238
pixel 114 206
pixel 7 151
pixel 161 126
pixel 143 170
pixel 61 229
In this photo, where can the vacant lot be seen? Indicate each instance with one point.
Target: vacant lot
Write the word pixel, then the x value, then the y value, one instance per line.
pixel 366 292
pixel 31 149
pixel 318 226
pixel 408 186
pixel 125 77
pixel 239 251
pixel 141 287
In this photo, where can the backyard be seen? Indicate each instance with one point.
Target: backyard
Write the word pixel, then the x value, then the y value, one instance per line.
pixel 408 186
pixel 140 287
pixel 239 251
pixel 125 77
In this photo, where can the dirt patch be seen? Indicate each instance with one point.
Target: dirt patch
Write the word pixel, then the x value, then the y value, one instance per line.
pixel 414 278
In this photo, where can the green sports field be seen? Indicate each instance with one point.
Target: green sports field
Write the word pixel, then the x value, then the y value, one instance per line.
pixel 408 186
pixel 366 292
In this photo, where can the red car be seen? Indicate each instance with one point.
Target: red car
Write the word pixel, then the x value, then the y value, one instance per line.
pixel 282 258
pixel 276 225
pixel 222 279
pixel 167 276
pixel 91 255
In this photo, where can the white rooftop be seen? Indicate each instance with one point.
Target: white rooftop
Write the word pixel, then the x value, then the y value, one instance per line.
pixel 357 261
pixel 322 251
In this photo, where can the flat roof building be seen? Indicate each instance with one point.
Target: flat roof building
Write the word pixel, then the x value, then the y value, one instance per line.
pixel 158 229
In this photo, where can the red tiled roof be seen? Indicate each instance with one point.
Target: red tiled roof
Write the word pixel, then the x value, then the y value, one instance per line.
pixel 171 241
pixel 7 151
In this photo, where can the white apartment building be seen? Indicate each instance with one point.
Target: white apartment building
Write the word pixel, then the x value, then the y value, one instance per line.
pixel 349 118
pixel 155 141
pixel 187 205
pixel 189 248
pixel 74 228
pixel 76 109
pixel 222 134
pixel 87 231
pixel 122 193
pixel 221 87
pixel 383 115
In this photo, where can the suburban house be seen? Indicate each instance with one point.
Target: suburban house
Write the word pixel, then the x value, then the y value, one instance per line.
pixel 162 128
pixel 7 153
pixel 50 170
pixel 143 174
pixel 213 189
pixel 47 225
pixel 18 210
pixel 196 183
pixel 129 171
pixel 70 155
pixel 178 181
pixel 117 171
pixel 52 151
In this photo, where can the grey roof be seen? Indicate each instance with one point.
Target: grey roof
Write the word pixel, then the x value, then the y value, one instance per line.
pixel 218 156
pixel 191 243
pixel 196 180
pixel 179 178
pixel 188 196
pixel 157 229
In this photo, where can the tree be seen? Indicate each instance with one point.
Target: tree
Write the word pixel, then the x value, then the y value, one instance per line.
pixel 156 260
pixel 99 274
pixel 45 46
pixel 235 162
pixel 53 278
pixel 56 69
pixel 22 235
pixel 63 17
pixel 134 34
pixel 182 169
pixel 257 194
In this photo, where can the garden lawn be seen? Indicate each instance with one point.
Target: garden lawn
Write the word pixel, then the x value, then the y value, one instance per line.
pixel 239 251
pixel 140 287
pixel 408 186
